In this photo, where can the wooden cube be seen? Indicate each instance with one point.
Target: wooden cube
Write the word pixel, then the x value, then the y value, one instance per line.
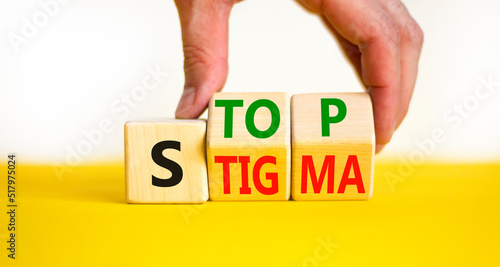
pixel 165 161
pixel 333 145
pixel 248 146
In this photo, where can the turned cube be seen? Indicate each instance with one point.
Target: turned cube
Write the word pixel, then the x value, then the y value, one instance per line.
pixel 248 146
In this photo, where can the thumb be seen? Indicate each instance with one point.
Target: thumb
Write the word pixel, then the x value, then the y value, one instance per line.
pixel 204 25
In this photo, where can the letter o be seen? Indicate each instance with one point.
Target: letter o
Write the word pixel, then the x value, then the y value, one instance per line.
pixel 84 147
pixel 142 94
pixel 309 261
pixel 40 23
pixel 275 118
pixel 471 100
pixel 413 156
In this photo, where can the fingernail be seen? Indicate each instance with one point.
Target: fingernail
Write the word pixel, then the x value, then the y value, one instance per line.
pixel 379 148
pixel 185 103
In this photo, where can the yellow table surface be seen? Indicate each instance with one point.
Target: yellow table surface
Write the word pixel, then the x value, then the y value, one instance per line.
pixel 435 215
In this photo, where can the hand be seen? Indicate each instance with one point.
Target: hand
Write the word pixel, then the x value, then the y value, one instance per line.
pixel 379 37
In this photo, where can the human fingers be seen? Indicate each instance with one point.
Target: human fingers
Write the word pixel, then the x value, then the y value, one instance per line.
pixel 204 25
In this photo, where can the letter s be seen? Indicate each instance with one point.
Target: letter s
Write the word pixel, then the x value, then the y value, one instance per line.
pixel 172 166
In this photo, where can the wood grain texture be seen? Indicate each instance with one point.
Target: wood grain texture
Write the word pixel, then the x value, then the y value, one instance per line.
pixel 263 162
pixel 318 158
pixel 141 137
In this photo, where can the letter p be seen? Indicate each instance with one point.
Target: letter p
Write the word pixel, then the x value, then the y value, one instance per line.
pixel 326 119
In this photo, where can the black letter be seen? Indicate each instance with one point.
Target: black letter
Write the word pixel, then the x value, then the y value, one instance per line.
pixel 172 166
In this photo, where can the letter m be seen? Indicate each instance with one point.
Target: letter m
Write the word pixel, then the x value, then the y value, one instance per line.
pixel 317 182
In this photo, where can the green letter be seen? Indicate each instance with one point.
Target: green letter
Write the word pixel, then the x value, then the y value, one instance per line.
pixel 326 120
pixel 228 111
pixel 275 118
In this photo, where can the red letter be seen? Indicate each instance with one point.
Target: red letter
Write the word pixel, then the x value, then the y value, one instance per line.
pixel 244 189
pixel 226 160
pixel 328 163
pixel 352 162
pixel 269 176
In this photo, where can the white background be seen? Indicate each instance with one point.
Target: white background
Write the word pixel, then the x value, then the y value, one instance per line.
pixel 72 70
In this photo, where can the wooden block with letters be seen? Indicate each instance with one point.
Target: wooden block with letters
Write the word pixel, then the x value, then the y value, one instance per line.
pixel 165 161
pixel 333 145
pixel 248 146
